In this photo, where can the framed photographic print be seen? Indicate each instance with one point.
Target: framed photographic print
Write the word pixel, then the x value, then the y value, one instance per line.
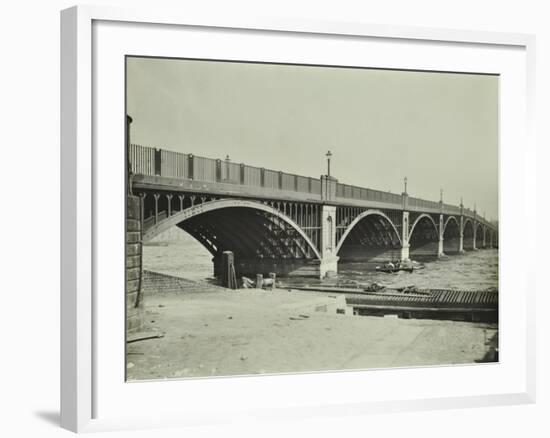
pixel 252 209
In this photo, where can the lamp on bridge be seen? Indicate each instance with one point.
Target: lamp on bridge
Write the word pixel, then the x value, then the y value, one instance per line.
pixel 405 181
pixel 227 161
pixel 328 155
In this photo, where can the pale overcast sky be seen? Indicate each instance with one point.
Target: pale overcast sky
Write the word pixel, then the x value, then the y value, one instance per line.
pixel 438 129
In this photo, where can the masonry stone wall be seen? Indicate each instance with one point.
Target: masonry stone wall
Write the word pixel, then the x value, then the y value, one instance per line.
pixel 156 282
pixel 134 298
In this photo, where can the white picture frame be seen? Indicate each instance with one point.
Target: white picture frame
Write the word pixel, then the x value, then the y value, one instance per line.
pixel 83 370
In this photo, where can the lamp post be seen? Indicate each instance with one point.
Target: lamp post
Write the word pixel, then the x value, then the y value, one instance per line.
pixel 227 161
pixel 405 181
pixel 328 155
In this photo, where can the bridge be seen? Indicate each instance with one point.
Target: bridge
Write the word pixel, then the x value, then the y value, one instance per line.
pixel 291 224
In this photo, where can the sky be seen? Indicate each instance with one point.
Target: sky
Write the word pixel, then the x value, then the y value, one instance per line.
pixel 440 130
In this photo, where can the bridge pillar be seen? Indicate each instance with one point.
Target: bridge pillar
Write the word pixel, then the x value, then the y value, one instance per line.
pixel 484 237
pixel 135 312
pixel 474 237
pixel 405 237
pixel 328 188
pixel 440 247
pixel 329 259
pixel 461 238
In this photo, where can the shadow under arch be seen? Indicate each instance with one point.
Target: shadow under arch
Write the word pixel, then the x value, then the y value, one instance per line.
pixel 262 238
pixel 480 229
pixel 372 231
pixel 468 234
pixel 448 220
pixel 451 235
pixel 424 236
pixel 420 218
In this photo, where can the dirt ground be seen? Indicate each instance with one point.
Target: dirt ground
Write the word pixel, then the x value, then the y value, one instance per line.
pixel 218 332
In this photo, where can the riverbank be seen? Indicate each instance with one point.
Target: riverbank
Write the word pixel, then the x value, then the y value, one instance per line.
pixel 210 331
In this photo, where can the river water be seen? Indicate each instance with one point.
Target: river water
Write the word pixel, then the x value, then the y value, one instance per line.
pixel 183 256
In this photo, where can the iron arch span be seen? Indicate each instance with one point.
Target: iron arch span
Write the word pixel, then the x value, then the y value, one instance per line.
pixel 480 236
pixel 262 238
pixel 468 234
pixel 424 236
pixel 372 235
pixel 451 236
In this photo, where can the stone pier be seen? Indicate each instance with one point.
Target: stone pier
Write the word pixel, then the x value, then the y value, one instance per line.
pixel 329 260
pixel 134 298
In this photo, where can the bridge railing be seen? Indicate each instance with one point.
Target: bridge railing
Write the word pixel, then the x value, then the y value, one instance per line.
pixel 151 161
pixel 174 164
pixel 271 179
pixel 228 172
pixel 142 159
pixel 451 209
pixel 423 204
pixel 353 192
pixel 204 169
pixel 252 176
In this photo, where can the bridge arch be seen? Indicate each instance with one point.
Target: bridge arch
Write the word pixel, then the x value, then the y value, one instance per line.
pixel 187 215
pixel 468 234
pixel 423 237
pixel 358 219
pixel 418 219
pixel 451 235
pixel 480 231
pixel 468 222
pixel 449 219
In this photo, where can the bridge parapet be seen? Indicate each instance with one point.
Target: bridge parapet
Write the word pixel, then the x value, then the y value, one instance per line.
pixel 168 170
pixel 451 209
pixel 347 191
pixel 149 161
pixel 417 204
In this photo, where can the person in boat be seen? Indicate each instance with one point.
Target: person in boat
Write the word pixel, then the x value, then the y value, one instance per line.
pixel 406 264
pixel 390 265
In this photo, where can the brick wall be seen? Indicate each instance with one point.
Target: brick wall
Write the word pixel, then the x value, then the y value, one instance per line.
pixel 134 299
pixel 157 282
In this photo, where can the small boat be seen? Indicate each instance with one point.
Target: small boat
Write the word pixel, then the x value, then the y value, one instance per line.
pixel 395 268
pixel 387 270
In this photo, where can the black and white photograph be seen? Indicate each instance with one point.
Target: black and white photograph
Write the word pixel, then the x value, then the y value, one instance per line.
pixel 302 218
pixel 275 219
